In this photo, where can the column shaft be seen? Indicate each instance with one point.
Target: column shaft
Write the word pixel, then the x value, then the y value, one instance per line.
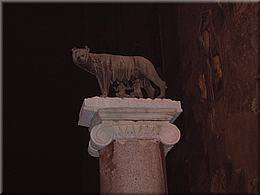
pixel 133 166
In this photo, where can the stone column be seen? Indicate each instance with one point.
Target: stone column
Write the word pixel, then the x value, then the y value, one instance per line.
pixel 132 137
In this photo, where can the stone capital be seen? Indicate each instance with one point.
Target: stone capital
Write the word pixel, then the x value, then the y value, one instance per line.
pixel 111 119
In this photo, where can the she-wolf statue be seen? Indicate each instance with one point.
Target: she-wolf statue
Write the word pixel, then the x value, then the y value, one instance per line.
pixel 110 68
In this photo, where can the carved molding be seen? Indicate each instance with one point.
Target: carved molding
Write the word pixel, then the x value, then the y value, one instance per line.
pixel 111 119
pixel 158 109
pixel 103 134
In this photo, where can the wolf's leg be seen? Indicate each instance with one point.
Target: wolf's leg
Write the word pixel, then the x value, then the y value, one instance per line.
pixel 152 75
pixel 148 88
pixel 103 86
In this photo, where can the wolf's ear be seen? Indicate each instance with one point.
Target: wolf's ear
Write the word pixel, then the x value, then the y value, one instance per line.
pixel 87 48
pixel 73 49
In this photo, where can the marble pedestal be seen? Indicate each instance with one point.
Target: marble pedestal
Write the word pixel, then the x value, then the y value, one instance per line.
pixel 132 137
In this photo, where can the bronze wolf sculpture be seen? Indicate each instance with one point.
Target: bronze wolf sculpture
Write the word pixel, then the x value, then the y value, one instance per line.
pixel 109 68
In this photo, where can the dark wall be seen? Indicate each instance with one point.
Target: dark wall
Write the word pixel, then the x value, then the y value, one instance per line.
pixel 219 153
pixel 44 148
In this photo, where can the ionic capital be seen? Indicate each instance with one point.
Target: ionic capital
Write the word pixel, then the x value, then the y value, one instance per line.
pixel 111 119
pixel 103 134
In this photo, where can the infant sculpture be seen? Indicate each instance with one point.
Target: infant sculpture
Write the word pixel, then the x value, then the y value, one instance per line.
pixel 126 73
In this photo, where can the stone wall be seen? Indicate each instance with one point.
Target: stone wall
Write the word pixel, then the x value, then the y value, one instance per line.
pixel 218 55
